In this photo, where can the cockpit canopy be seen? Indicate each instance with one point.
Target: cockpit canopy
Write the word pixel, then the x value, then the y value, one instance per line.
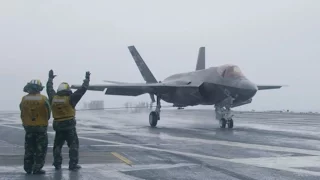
pixel 230 71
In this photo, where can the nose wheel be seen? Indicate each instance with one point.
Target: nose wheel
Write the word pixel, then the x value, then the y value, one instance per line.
pixel 230 123
pixel 224 116
pixel 223 123
pixel 223 111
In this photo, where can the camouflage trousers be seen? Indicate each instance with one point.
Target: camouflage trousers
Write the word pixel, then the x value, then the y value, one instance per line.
pixel 36 144
pixel 73 143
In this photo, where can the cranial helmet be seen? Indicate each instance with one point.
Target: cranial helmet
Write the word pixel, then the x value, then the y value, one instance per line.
pixel 36 82
pixel 64 87
pixel 36 85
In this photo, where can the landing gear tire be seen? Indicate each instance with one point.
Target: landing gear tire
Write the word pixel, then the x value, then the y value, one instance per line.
pixel 153 118
pixel 230 123
pixel 222 123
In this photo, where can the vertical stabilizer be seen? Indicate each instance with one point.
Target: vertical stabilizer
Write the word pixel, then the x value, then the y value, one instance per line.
pixel 201 63
pixel 143 68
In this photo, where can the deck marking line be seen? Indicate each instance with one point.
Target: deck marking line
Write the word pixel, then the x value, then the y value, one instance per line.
pixel 122 158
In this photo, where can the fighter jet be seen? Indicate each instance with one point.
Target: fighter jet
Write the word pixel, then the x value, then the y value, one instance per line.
pixel 223 87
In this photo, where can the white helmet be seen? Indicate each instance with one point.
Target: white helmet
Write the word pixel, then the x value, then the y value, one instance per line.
pixel 64 87
pixel 33 85
pixel 36 82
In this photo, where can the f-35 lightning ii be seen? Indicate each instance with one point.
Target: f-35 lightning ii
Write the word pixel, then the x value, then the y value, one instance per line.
pixel 223 86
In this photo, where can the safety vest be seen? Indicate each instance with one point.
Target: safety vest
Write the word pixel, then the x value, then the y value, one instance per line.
pixel 62 109
pixel 34 111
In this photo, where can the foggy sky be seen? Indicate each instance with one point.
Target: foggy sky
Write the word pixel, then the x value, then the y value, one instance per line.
pixel 273 42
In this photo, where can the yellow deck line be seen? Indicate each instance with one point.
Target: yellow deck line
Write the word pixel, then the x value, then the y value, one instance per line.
pixel 125 160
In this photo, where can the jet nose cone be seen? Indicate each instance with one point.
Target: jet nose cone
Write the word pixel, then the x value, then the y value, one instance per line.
pixel 247 85
pixel 247 89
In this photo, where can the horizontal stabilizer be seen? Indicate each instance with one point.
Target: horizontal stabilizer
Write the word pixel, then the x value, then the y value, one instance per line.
pixel 266 87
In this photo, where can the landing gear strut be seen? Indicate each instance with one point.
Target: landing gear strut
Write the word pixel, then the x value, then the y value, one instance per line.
pixel 154 116
pixel 223 112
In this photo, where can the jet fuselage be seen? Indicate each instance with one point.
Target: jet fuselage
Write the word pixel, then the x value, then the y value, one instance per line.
pixel 215 83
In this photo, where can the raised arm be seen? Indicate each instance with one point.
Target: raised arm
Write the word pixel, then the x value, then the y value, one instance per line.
pixel 77 95
pixel 50 91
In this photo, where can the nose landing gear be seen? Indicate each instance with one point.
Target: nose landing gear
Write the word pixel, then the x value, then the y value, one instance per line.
pixel 224 114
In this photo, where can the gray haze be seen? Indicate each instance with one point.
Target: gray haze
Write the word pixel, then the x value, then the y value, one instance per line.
pixel 273 42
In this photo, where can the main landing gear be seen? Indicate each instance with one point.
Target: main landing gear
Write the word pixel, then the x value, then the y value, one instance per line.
pixel 154 116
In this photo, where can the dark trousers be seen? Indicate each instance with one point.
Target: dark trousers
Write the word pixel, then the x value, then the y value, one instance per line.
pixel 73 143
pixel 36 145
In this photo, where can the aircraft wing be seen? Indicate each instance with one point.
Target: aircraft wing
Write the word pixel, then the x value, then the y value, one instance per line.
pixel 136 89
pixel 266 87
pixel 115 82
pixel 118 82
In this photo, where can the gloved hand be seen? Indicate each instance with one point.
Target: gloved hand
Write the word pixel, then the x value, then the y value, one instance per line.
pixel 88 75
pixel 51 76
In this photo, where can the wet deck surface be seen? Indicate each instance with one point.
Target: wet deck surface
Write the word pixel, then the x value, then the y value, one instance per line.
pixel 187 144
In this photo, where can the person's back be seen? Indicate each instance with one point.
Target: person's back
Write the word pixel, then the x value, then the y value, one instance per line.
pixel 63 110
pixel 35 113
pixel 63 103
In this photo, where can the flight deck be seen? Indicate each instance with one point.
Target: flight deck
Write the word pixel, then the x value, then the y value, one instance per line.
pixel 186 144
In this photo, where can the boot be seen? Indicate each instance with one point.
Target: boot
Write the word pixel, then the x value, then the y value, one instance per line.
pixel 74 167
pixel 28 170
pixel 39 171
pixel 57 167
